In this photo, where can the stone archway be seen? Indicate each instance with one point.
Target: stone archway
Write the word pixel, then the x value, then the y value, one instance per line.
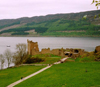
pixel 66 54
pixel 76 51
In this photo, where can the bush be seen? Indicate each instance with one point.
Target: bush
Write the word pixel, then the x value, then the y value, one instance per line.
pixel 34 60
pixel 85 59
pixel 42 58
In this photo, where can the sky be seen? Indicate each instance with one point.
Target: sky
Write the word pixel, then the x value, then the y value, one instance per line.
pixel 12 9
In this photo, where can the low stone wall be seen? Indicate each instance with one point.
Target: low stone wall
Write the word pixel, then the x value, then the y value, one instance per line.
pixel 55 52
pixel 44 51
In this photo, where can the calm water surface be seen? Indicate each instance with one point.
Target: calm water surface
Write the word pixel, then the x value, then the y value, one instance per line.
pixel 86 43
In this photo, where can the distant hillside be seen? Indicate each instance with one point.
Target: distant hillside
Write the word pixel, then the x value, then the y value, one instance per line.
pixel 70 24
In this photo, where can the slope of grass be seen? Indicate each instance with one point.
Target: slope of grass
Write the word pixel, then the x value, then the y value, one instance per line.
pixel 11 75
pixel 69 74
pixel 48 58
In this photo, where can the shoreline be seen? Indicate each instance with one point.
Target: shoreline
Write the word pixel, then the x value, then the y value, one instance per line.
pixel 44 36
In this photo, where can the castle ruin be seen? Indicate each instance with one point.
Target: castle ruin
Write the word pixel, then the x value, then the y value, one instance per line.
pixel 32 48
pixel 73 53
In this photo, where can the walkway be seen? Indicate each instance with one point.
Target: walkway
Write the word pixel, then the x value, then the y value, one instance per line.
pixel 17 82
pixel 62 60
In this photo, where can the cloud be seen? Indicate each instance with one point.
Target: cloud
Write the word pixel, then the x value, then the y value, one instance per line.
pixel 21 8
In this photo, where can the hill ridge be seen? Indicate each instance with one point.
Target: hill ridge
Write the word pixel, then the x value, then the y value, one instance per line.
pixel 63 24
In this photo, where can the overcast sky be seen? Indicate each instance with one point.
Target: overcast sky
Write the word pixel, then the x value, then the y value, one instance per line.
pixel 27 8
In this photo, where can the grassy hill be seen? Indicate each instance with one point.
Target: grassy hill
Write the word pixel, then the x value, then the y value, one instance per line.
pixel 10 75
pixel 69 74
pixel 80 72
pixel 71 24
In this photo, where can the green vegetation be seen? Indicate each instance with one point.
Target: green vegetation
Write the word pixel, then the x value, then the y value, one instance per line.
pixel 70 60
pixel 71 24
pixel 43 59
pixel 58 27
pixel 21 30
pixel 89 57
pixel 48 58
pixel 83 71
pixel 7 25
pixel 11 75
pixel 80 72
pixel 97 3
pixel 69 74
pixel 20 33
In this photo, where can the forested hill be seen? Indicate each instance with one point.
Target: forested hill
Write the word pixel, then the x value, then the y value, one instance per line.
pixel 71 24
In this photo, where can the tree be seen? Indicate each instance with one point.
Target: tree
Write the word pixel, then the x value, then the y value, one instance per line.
pixel 20 54
pixel 8 56
pixel 2 60
pixel 96 2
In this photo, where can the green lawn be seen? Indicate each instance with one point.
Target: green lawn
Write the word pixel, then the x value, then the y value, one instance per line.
pixel 11 75
pixel 69 74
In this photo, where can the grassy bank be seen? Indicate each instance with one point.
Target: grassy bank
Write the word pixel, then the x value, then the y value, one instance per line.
pixel 69 74
pixel 48 58
pixel 11 75
pixel 43 59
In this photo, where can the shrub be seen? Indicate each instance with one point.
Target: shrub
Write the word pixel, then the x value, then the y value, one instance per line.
pixel 85 59
pixel 46 58
pixel 34 59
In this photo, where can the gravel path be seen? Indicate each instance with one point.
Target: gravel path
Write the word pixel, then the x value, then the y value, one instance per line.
pixel 17 82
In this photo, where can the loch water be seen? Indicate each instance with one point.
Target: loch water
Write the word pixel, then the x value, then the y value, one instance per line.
pixel 86 43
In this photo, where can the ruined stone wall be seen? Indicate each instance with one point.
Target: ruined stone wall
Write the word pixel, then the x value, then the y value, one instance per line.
pixel 58 52
pixel 55 52
pixel 62 52
pixel 73 53
pixel 32 46
pixel 44 51
pixel 34 52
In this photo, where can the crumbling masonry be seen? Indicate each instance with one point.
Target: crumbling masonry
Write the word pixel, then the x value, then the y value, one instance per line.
pixel 32 48
pixel 73 53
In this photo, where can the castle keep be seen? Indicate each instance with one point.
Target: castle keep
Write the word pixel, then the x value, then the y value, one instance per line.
pixel 33 50
pixel 32 47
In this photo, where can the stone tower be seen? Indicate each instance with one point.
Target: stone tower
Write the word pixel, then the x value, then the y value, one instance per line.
pixel 32 46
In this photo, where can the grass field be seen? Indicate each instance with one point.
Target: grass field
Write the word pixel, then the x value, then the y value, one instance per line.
pixel 69 74
pixel 11 75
